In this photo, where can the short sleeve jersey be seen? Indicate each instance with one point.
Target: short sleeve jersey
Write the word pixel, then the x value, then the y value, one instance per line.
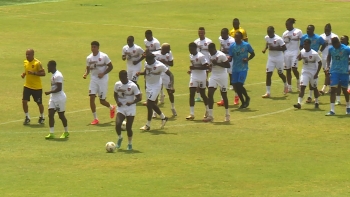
pixel 126 92
pixel 152 45
pixel 133 53
pixel 310 60
pixel 218 71
pixel 56 78
pixel 316 41
pixel 98 64
pixel 153 73
pixel 328 43
pixel 233 31
pixel 225 44
pixel 197 61
pixel 238 52
pixel 340 59
pixel 275 41
pixel 292 38
pixel 202 46
pixel 166 57
pixel 33 81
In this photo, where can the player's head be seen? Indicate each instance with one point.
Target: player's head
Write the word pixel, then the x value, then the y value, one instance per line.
pixel 51 66
pixel 289 23
pixel 212 49
pixel 95 47
pixel 201 33
pixel 344 40
pixel 224 33
pixel 235 23
pixel 150 58
pixel 310 30
pixel 165 48
pixel 307 45
pixel 271 31
pixel 335 42
pixel 30 54
pixel 238 37
pixel 130 41
pixel 123 76
pixel 192 47
pixel 328 29
pixel 149 35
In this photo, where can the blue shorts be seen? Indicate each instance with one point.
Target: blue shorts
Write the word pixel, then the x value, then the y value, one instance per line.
pixel 239 77
pixel 338 78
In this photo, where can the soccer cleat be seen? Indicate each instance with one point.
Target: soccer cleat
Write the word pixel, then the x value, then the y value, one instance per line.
pixel 50 136
pixel 220 103
pixel 242 106
pixel 236 101
pixel 206 114
pixel 190 117
pixel 145 128
pixel 227 118
pixel 95 122
pixel 198 99
pixel 330 113
pixel 267 95
pixel 112 112
pixel 174 112
pixel 247 102
pixel 285 90
pixel 129 147
pixel 41 120
pixel 348 111
pixel 26 121
pixel 298 106
pixel 119 143
pixel 321 92
pixel 308 100
pixel 231 87
pixel 290 90
pixel 164 120
pixel 337 103
pixel 349 91
pixel 208 119
pixel 316 105
pixel 154 115
pixel 64 135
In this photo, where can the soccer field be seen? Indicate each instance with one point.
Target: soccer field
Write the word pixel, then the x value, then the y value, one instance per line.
pixel 269 149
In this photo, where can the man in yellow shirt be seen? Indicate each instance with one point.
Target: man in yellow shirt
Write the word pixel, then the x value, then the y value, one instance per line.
pixel 33 70
pixel 236 28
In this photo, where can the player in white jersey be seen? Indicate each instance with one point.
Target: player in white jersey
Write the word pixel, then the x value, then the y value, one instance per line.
pixel 126 95
pixel 276 46
pixel 151 43
pixel 132 53
pixel 312 65
pixel 57 100
pixel 99 64
pixel 166 57
pixel 202 46
pixel 218 77
pixel 225 42
pixel 291 38
pixel 153 71
pixel 198 68
pixel 327 37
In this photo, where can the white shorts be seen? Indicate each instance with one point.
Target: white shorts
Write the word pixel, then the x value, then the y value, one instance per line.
pixel 290 61
pixel 229 70
pixel 166 81
pixel 98 88
pixel 221 82
pixel 127 110
pixel 274 63
pixel 58 105
pixel 152 93
pixel 132 75
pixel 306 78
pixel 198 83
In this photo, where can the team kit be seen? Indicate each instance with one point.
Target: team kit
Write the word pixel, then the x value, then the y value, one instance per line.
pixel 211 67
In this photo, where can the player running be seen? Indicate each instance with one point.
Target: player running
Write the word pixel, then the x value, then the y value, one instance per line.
pixel 312 65
pixel 126 95
pixel 276 46
pixel 220 63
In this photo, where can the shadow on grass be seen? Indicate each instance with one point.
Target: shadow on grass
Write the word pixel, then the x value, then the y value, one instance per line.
pixel 158 132
pixel 222 123
pixel 244 110
pixel 35 125
pixel 58 139
pixel 106 124
pixel 278 98
pixel 314 109
pixel 343 116
pixel 133 151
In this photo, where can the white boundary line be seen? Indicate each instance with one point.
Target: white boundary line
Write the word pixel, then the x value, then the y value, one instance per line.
pixel 30 3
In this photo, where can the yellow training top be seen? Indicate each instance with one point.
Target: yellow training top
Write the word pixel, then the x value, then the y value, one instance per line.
pixel 33 81
pixel 240 29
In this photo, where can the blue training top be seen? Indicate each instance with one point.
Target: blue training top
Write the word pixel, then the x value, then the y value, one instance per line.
pixel 238 52
pixel 316 41
pixel 340 59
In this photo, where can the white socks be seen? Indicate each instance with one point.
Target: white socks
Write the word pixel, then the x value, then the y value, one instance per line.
pixel 268 89
pixel 95 115
pixel 192 110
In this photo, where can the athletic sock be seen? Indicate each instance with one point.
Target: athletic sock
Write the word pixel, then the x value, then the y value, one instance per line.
pixel 42 115
pixel 311 92
pixel 65 129
pixel 332 107
pixel 172 106
pixel 95 115
pixel 120 136
pixel 148 123
pixel 338 98
pixel 227 112
pixel 27 115
pixel 206 107
pixel 192 110
pixel 210 111
pixel 323 88
pixel 162 116
pixel 316 100
pixel 110 106
pixel 268 89
pixel 51 129
pixel 347 104
pixel 300 99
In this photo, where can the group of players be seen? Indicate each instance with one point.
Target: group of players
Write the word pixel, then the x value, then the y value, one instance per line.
pixel 228 63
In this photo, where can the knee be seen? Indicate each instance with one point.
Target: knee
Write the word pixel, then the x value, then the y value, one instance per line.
pixel 24 102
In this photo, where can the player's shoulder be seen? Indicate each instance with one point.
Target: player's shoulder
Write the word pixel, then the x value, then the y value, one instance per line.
pixel 208 39
pixel 126 46
pixel 241 30
pixel 36 61
pixel 333 35
pixel 302 51
pixel 155 40
pixel 266 37
pixel 89 56
pixel 220 38
pixel 313 52
pixel 196 40
pixel 285 32
pixel 118 83
pixel 58 73
pixel 277 37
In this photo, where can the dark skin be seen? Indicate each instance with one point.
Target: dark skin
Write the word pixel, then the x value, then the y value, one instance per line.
pixel 271 34
pixel 164 50
pixel 123 77
pixel 95 51
pixel 327 31
pixel 211 90
pixel 40 73
pixel 235 25
pixel 307 48
pixel 290 27
pixel 52 69
pixel 152 105
pixel 344 41
pixel 201 90
pixel 336 45
pixel 224 35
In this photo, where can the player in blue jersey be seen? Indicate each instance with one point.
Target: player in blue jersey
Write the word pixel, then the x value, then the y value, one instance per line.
pixel 239 53
pixel 316 42
pixel 339 72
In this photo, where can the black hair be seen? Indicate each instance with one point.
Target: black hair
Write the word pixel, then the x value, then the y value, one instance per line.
pixel 95 43
pixel 291 20
pixel 270 28
pixel 307 41
pixel 201 28
pixel 328 26
pixel 211 46
pixel 131 37
pixel 224 30
pixel 148 32
pixel 192 45
pixel 52 63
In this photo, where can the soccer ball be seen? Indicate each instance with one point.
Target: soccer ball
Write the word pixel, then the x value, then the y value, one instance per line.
pixel 110 147
pixel 124 126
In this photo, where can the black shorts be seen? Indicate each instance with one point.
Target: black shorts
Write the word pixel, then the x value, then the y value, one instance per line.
pixel 36 94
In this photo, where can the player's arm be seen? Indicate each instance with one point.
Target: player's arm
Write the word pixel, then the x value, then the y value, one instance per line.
pixel 24 73
pixel 109 68
pixel 225 63
pixel 141 73
pixel 323 44
pixel 87 71
pixel 245 36
pixel 266 47
pixel 251 56
pixel 318 69
pixel 143 56
pixel 329 57
pixel 171 76
pixel 278 48
pixel 299 57
pixel 137 99
pixel 40 72
pixel 58 89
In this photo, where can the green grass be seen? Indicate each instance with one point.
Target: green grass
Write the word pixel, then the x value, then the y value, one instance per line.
pixel 269 149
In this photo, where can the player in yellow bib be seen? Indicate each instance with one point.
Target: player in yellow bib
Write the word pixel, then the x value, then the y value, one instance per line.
pixel 33 70
pixel 236 28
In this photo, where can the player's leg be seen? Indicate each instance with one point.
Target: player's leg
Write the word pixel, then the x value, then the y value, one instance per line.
pixel 311 93
pixel 268 84
pixel 51 112
pixel 301 95
pixel 326 77
pixel 296 73
pixel 223 92
pixel 335 80
pixel 314 83
pixel 129 123
pixel 171 97
pixel 61 108
pixel 288 69
pixel 38 97
pixel 339 89
pixel 103 88
pixel 192 88
pixel 152 101
pixel 241 79
pixel 344 84
pixel 118 125
pixel 202 87
pixel 93 90
pixel 25 100
pixel 211 91
pixel 279 67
